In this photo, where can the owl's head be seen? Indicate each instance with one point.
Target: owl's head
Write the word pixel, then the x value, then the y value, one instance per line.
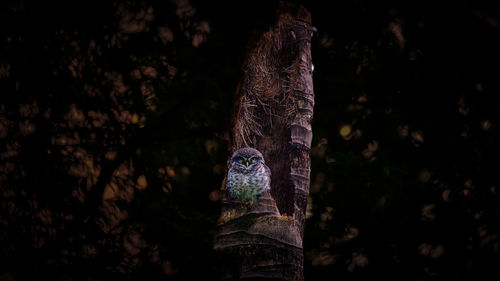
pixel 246 158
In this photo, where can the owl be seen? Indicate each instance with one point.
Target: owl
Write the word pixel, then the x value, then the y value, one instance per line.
pixel 248 176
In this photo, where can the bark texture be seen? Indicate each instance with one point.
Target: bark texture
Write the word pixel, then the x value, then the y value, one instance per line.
pixel 273 114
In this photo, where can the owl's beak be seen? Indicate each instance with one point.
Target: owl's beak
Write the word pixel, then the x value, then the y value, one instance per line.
pixel 246 163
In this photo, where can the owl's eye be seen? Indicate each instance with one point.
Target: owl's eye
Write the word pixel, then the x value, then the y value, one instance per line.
pixel 252 159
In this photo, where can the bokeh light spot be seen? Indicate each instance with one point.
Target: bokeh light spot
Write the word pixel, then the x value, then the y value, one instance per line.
pixel 142 183
pixel 345 131
pixel 135 118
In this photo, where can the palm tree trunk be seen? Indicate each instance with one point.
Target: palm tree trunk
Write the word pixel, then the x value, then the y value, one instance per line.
pixel 273 114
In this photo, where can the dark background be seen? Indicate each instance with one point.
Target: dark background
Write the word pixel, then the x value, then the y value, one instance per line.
pixel 115 127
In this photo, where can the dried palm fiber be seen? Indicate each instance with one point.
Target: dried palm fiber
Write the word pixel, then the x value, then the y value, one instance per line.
pixel 270 76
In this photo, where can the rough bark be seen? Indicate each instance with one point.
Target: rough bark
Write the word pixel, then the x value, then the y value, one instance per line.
pixel 273 114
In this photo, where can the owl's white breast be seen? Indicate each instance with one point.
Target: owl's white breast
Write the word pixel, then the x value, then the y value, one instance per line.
pixel 239 179
pixel 244 183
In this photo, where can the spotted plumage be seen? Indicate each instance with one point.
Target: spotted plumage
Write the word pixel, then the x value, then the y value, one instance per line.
pixel 248 176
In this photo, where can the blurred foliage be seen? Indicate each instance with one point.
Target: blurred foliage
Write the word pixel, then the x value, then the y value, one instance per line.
pixel 404 178
pixel 110 137
pixel 115 123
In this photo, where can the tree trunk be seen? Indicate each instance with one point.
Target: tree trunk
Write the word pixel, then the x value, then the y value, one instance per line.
pixel 273 114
